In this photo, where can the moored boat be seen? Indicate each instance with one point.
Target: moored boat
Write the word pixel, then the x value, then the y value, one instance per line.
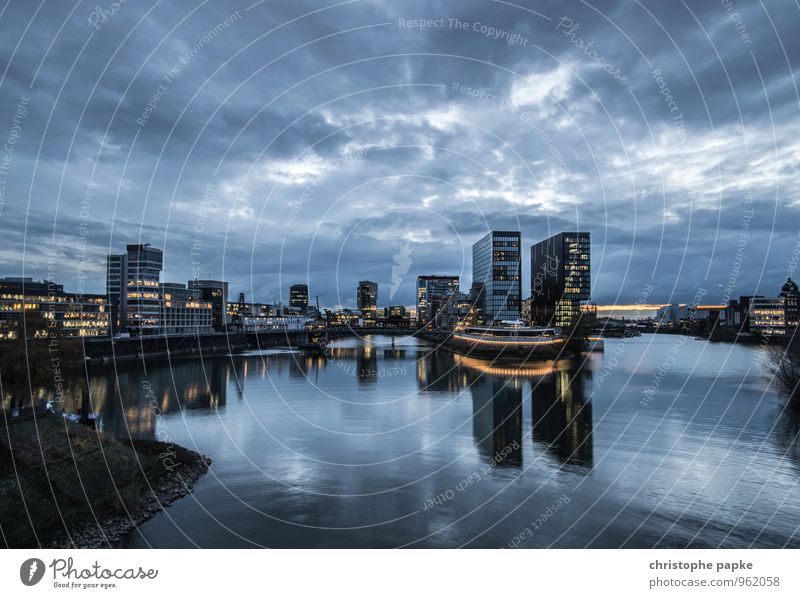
pixel 508 342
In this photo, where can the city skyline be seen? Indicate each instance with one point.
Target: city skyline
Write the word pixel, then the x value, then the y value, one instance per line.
pixel 265 191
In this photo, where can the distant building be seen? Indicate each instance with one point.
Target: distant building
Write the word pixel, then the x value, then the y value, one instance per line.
pixel 273 324
pixel 525 311
pixel 215 292
pixel 184 311
pixel 790 295
pixel 767 316
pixel 455 313
pixel 433 291
pixel 737 313
pixel 395 311
pixel 560 278
pixel 672 315
pixel 241 309
pixel 367 300
pixel 345 317
pixel 61 314
pixel 395 316
pixel 143 305
pixel 714 314
pixel 476 295
pixel 298 297
pixel 262 317
pixel 496 265
pixel 117 290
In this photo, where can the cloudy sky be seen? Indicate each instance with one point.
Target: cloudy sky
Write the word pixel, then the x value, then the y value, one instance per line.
pixel 272 142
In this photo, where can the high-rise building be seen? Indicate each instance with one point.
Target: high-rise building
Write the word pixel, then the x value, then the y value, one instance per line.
pixel 298 296
pixel 142 305
pixel 144 302
pixel 496 265
pixel 117 290
pixel 216 293
pixel 367 296
pixel 433 292
pixel 560 278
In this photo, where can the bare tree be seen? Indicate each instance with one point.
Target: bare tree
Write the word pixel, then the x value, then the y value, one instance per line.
pixel 784 367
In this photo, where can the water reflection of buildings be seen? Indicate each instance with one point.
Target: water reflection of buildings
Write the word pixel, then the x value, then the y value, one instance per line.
pixel 497 419
pixel 437 371
pixel 562 418
pixel 561 415
pixel 134 403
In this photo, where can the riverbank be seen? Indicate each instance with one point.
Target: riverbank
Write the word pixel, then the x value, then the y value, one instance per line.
pixel 66 485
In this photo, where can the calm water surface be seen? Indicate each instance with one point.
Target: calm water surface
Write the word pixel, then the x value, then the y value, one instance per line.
pixel 660 441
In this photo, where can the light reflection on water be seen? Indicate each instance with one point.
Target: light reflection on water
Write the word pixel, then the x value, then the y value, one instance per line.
pixel 384 445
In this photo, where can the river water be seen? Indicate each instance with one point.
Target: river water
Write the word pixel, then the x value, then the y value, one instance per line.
pixel 660 441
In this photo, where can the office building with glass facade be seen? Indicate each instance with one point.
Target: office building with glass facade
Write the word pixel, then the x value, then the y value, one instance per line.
pixel 496 268
pixel 144 303
pixel 367 296
pixel 433 292
pixel 560 278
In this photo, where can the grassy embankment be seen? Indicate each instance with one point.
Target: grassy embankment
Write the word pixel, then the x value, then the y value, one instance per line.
pixel 62 480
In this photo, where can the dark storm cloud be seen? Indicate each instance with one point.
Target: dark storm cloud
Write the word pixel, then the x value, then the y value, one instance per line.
pixel 325 136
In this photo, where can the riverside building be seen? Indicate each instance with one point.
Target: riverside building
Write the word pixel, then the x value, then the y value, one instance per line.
pixel 141 305
pixel 560 278
pixel 496 266
pixel 62 314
